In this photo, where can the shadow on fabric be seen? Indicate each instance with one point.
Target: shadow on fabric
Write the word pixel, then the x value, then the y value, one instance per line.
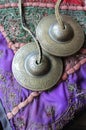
pixel 78 123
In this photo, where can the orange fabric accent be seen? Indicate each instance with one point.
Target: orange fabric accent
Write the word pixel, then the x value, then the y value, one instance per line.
pixel 16 109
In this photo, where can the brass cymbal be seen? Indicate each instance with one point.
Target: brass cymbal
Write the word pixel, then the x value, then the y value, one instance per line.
pixel 60 42
pixel 32 75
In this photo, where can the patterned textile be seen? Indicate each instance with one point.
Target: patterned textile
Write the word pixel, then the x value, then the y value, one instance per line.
pixel 74 2
pixel 66 4
pixel 52 109
pixel 10 20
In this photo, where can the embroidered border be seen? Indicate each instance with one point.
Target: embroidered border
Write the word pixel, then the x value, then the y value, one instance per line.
pixel 48 4
pixel 10 20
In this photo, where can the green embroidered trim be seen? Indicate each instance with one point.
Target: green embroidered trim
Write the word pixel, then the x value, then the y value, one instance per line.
pixel 8 1
pixel 10 19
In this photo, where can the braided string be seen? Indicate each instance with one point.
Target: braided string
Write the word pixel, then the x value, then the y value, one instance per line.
pixel 57 14
pixel 21 105
pixel 26 29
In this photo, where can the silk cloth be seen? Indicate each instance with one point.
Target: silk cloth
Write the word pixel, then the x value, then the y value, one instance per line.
pixel 52 109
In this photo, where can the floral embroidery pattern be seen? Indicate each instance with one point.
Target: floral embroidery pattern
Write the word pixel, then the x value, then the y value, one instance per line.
pixel 50 111
pixel 19 123
pixel 1 53
pixel 11 21
pixel 10 89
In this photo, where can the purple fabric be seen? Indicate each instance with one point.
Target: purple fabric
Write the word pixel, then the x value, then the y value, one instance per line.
pixel 52 109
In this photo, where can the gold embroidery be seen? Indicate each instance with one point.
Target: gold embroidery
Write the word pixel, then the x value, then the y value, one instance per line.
pixel 2 78
pixel 1 53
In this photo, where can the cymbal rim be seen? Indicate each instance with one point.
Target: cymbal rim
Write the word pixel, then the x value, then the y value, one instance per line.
pixel 36 83
pixel 51 46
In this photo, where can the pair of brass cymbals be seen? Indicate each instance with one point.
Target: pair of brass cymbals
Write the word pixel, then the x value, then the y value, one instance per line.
pixel 33 67
pixel 58 36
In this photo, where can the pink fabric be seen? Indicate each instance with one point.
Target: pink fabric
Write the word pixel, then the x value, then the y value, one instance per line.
pixel 66 4
pixel 74 2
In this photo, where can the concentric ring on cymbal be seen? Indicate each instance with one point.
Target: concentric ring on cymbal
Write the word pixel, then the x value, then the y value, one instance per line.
pixel 32 75
pixel 55 46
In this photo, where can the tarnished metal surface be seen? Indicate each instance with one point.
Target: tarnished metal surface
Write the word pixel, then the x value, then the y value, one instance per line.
pixel 32 75
pixel 70 41
pixel 61 35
